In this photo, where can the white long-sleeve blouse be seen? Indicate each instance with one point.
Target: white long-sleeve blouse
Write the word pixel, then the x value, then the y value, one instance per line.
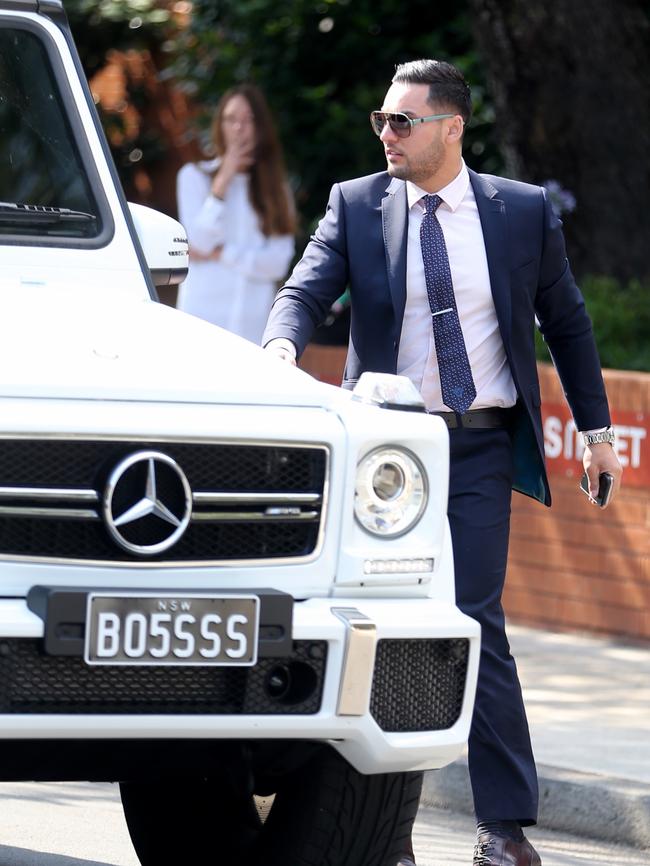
pixel 236 290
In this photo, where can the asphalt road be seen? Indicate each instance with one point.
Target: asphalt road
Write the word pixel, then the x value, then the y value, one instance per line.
pixel 75 824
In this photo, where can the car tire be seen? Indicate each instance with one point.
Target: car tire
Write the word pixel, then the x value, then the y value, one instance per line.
pixel 189 821
pixel 324 813
pixel 329 814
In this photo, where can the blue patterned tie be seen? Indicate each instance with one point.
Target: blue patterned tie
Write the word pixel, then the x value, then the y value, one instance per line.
pixel 458 389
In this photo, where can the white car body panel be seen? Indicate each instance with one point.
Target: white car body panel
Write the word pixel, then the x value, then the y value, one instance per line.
pixel 86 354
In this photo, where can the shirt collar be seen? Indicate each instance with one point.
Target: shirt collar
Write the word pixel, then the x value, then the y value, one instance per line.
pixel 452 194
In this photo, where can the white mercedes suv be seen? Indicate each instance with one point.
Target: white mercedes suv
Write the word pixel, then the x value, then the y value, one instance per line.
pixel 219 579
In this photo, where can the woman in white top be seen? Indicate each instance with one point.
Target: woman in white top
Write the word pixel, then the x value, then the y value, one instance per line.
pixel 239 217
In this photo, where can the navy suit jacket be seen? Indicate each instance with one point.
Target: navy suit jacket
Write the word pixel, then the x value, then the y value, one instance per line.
pixel 361 243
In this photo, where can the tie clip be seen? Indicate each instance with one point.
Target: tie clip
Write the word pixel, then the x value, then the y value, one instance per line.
pixel 440 312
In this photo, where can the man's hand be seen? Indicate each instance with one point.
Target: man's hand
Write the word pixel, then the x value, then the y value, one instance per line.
pixel 602 458
pixel 282 349
pixel 284 355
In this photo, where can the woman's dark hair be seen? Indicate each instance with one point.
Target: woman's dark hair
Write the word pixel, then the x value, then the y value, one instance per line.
pixel 269 187
pixel 447 87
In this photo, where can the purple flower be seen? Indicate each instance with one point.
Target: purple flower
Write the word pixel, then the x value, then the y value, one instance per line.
pixel 562 201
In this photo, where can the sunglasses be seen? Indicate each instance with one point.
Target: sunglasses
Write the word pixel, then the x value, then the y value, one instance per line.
pixel 401 124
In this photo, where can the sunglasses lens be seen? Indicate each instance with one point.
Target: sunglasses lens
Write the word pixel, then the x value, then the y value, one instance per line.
pixel 399 123
pixel 377 121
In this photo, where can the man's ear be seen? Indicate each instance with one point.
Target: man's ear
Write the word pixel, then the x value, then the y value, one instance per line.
pixel 455 128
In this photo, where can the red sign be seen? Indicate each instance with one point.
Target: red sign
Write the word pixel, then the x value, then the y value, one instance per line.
pixel 564 447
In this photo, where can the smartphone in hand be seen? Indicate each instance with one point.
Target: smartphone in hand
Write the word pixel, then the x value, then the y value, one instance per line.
pixel 605 486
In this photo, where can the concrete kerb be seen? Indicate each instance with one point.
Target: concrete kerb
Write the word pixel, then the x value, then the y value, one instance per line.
pixel 593 806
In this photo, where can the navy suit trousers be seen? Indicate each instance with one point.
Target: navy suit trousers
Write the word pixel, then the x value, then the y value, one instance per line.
pixel 501 764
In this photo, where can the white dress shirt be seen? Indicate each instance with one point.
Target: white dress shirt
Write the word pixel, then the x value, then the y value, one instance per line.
pixel 461 227
pixel 237 290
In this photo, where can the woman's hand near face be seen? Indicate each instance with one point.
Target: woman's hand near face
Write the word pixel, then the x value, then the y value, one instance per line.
pixel 239 157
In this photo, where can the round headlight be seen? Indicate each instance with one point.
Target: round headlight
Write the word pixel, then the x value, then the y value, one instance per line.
pixel 388 481
pixel 390 493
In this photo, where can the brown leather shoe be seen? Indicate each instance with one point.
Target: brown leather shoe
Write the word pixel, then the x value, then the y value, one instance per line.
pixel 494 850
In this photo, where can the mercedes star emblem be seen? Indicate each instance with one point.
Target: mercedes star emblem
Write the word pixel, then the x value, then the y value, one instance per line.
pixel 147 503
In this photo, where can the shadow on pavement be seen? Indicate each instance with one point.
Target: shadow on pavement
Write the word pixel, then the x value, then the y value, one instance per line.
pixel 58 793
pixel 27 857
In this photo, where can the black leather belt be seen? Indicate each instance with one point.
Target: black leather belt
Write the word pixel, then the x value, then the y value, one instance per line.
pixel 480 419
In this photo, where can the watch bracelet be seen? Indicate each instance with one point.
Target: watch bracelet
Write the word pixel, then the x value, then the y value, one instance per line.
pixel 603 437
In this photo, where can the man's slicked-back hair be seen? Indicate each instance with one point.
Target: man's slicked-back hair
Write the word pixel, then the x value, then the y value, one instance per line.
pixel 447 87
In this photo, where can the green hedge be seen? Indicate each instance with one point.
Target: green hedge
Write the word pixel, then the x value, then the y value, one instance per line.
pixel 621 320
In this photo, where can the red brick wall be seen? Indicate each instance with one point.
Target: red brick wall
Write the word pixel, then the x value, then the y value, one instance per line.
pixel 574 567
pixel 324 362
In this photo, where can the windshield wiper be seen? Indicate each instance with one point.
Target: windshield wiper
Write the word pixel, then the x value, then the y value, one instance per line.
pixel 38 214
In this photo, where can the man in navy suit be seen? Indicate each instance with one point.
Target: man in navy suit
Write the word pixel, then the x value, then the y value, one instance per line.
pixel 447 271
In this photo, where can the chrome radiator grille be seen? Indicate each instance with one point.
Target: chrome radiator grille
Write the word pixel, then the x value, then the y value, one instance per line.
pixel 107 500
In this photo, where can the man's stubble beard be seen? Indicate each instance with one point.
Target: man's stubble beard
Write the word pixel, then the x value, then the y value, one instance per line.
pixel 421 167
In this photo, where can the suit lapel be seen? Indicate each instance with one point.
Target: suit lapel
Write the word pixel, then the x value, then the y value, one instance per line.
pixel 394 216
pixel 492 213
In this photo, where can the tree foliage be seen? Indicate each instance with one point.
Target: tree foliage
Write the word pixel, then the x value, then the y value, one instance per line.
pixel 620 313
pixel 570 82
pixel 102 29
pixel 324 65
pixel 99 27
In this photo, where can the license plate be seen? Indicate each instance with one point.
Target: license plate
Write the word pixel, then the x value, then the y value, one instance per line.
pixel 166 629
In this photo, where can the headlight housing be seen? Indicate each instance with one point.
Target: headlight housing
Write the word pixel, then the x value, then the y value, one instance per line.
pixel 391 492
pixel 388 392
